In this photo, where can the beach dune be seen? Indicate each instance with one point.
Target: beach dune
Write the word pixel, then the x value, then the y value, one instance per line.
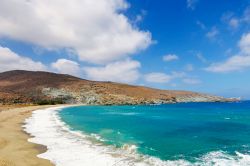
pixel 15 150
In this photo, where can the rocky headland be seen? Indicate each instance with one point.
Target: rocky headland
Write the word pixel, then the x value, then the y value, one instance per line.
pixel 28 87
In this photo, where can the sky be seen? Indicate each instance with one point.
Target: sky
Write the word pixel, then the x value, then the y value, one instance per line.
pixel 195 45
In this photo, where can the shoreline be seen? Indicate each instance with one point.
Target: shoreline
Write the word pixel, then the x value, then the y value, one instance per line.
pixel 39 147
pixel 67 147
pixel 15 150
pixel 35 135
pixel 46 121
pixel 71 148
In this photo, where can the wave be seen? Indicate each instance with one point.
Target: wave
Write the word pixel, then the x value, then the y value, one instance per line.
pixel 122 113
pixel 74 148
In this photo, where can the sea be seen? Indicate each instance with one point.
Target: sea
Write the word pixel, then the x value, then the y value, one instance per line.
pixel 183 134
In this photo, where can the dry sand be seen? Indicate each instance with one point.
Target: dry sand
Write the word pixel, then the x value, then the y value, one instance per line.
pixel 15 150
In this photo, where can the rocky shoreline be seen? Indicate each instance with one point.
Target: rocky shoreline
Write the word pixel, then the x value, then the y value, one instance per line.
pixel 92 98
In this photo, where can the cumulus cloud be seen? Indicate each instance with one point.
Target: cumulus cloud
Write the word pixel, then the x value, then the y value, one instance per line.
pixel 244 44
pixel 97 31
pixel 120 71
pixel 234 63
pixel 158 77
pixel 9 60
pixel 66 66
pixel 170 57
pixel 237 62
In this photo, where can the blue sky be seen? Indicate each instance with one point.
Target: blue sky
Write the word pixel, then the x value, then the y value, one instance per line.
pixel 198 45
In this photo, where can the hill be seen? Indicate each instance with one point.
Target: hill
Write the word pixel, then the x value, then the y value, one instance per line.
pixel 50 88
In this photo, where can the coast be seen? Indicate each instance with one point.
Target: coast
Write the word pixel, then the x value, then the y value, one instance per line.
pixel 15 150
pixel 66 147
pixel 71 148
pixel 19 148
pixel 54 143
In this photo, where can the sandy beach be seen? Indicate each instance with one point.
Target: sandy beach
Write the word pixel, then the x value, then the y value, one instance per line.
pixel 15 150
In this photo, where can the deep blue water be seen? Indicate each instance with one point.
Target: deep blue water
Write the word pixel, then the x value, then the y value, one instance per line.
pixel 169 132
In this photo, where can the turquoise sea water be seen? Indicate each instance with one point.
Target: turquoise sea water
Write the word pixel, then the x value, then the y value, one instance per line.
pixel 170 132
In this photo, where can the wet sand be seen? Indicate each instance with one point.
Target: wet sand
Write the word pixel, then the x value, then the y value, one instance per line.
pixel 15 150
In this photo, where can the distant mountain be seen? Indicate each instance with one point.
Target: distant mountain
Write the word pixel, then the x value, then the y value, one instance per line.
pixel 49 88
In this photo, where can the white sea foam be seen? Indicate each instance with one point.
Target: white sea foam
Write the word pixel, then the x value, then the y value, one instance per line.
pixel 72 148
pixel 67 148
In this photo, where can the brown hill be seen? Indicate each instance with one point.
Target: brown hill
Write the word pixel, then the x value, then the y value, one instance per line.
pixel 44 88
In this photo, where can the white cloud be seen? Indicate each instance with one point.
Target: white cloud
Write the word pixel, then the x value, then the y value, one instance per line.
pixel 96 31
pixel 246 15
pixel 158 78
pixel 9 60
pixel 213 33
pixel 201 57
pixel 192 81
pixel 120 71
pixel 139 17
pixel 170 57
pixel 191 4
pixel 189 67
pixel 201 25
pixel 234 23
pixel 175 74
pixel 244 44
pixel 234 63
pixel 237 62
pixel 230 19
pixel 65 66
